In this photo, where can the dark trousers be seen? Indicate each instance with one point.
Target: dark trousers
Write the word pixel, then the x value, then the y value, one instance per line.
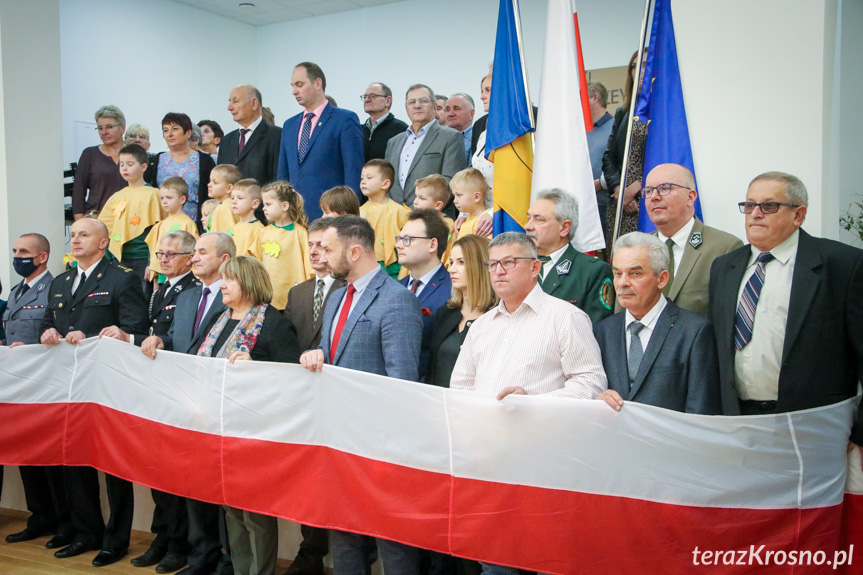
pixel 170 523
pixel 207 535
pixel 313 548
pixel 82 493
pixel 46 500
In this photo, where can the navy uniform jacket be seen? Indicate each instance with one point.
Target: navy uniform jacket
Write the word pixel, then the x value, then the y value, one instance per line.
pixel 161 310
pixel 23 317
pixel 583 281
pixel 432 296
pixel 111 296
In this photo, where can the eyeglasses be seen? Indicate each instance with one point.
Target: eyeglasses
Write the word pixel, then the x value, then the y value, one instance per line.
pixel 171 255
pixel 365 97
pixel 406 240
pixel 107 127
pixel 422 101
pixel 506 263
pixel 661 189
pixel 765 207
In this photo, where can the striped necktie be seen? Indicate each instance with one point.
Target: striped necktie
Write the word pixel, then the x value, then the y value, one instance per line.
pixel 745 320
pixel 305 136
pixel 636 350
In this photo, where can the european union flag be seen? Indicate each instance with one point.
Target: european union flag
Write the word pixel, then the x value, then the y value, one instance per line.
pixel 660 105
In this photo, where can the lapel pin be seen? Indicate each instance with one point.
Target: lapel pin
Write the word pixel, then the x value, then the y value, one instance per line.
pixel 695 240
pixel 68 278
pixel 99 275
pixel 60 305
pixel 563 267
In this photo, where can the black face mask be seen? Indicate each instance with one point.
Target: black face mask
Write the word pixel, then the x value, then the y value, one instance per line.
pixel 24 266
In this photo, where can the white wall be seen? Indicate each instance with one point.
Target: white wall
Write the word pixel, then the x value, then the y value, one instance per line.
pixel 149 57
pixel 849 119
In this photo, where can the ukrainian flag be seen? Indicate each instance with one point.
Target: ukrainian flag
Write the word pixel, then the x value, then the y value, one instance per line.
pixel 510 123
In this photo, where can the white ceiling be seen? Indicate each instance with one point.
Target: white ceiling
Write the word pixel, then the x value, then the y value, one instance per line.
pixel 271 11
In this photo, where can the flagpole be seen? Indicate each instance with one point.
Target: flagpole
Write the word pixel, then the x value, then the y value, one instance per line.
pixel 516 11
pixel 618 217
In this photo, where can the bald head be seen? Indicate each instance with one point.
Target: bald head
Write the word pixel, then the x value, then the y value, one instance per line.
pixel 244 104
pixel 89 240
pixel 670 212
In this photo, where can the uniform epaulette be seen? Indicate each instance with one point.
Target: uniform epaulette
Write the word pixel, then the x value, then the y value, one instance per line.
pixel 124 268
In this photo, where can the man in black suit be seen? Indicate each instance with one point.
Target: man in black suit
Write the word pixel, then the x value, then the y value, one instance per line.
pixel 786 309
pixel 381 125
pixel 254 147
pixel 655 352
pixel 198 308
pixel 82 303
pixel 305 309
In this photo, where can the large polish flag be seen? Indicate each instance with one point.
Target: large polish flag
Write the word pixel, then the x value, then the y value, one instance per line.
pixel 561 158
pixel 546 484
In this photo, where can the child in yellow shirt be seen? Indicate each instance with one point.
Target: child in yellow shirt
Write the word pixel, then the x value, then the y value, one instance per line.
pixel 339 201
pixel 432 193
pixel 222 180
pixel 386 216
pixel 283 246
pixel 469 190
pixel 207 209
pixel 245 199
pixel 172 196
pixel 131 211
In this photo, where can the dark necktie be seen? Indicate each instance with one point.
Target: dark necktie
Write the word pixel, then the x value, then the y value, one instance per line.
pixel 636 351
pixel 543 260
pixel 343 318
pixel 201 308
pixel 243 132
pixel 80 284
pixel 305 136
pixel 415 285
pixel 25 287
pixel 745 320
pixel 670 243
pixel 158 298
pixel 318 302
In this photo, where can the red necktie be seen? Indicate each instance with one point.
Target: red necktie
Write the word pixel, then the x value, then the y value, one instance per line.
pixel 415 285
pixel 243 132
pixel 343 318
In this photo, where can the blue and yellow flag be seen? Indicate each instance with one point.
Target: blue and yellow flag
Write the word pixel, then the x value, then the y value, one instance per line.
pixel 660 105
pixel 510 122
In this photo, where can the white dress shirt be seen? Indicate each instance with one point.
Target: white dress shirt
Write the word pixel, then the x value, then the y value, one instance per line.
pixel 680 239
pixel 544 346
pixel 35 281
pixel 214 288
pixel 251 130
pixel 89 271
pixel 756 366
pixel 648 321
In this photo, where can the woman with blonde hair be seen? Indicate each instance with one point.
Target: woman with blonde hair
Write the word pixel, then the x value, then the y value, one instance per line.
pixel 97 176
pixel 250 330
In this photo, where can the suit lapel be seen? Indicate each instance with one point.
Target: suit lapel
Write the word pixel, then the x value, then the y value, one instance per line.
pixel 726 298
pixel 366 299
pixel 318 326
pixel 433 285
pixel 434 129
pixel 15 304
pixel 804 285
pixel 92 281
pixel 619 368
pixel 657 339
pixel 552 281
pixel 216 309
pixel 448 323
pixel 321 123
pixel 687 262
pixel 253 139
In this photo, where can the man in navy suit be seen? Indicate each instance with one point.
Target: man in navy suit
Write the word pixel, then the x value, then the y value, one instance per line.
pixel 322 147
pixel 421 245
pixel 373 325
pixel 655 352
pixel 197 310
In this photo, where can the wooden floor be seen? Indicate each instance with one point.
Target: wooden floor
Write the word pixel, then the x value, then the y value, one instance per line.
pixel 31 557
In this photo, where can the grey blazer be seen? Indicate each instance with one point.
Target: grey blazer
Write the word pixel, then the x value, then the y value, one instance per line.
pixel 180 337
pixel 441 152
pixel 22 318
pixel 383 332
pixel 679 370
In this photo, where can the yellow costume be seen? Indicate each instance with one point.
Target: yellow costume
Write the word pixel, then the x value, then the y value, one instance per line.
pixel 469 227
pixel 178 222
pixel 285 254
pixel 244 234
pixel 128 213
pixel 223 219
pixel 449 240
pixel 387 220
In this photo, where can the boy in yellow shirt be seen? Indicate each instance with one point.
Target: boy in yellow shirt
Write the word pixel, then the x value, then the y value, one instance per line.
pixel 207 209
pixel 432 193
pixel 386 216
pixel 469 190
pixel 172 196
pixel 245 199
pixel 339 201
pixel 222 180
pixel 131 211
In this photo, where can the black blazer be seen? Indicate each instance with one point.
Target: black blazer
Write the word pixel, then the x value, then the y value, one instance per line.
pixel 679 369
pixel 260 157
pixel 446 321
pixel 376 145
pixel 822 356
pixel 478 128
pixel 277 340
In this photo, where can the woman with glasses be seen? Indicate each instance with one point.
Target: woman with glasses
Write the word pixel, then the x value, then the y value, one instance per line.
pixel 98 175
pixel 181 161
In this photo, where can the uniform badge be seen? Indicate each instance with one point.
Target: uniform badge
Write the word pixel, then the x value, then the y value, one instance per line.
pixel 695 239
pixel 60 305
pixel 68 278
pixel 563 267
pixel 606 294
pixel 99 275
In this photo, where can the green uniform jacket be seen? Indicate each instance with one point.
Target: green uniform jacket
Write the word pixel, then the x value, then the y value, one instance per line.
pixel 583 281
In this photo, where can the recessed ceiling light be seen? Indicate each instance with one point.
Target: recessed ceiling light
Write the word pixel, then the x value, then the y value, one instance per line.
pixel 246 5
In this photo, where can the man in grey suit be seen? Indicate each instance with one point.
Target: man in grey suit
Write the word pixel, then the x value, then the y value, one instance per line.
pixel 43 486
pixel 655 352
pixel 425 148
pixel 372 325
pixel 669 195
pixel 197 310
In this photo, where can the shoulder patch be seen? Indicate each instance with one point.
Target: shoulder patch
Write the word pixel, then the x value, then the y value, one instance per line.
pixel 695 239
pixel 606 294
pixel 124 268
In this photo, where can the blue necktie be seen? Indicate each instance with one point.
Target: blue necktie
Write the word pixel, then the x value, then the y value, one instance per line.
pixel 745 320
pixel 305 137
